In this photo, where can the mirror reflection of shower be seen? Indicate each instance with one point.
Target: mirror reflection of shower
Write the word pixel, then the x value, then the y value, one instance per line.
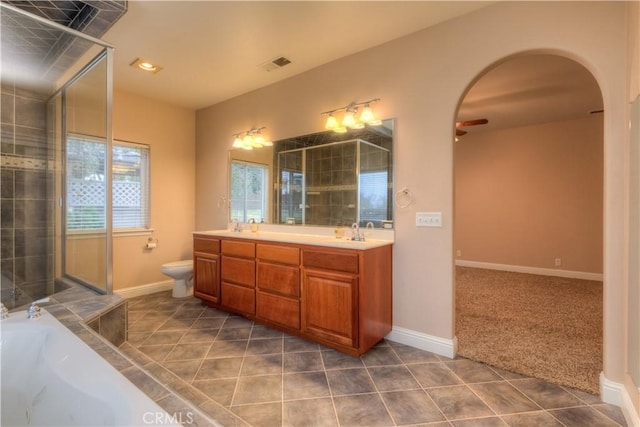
pixel 334 184
pixel 323 179
pixel 43 100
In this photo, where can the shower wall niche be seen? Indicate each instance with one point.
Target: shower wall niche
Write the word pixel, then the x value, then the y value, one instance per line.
pixel 335 184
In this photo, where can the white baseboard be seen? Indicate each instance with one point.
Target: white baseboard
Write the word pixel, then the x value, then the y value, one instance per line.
pixel 531 270
pixel 149 288
pixel 615 394
pixel 437 345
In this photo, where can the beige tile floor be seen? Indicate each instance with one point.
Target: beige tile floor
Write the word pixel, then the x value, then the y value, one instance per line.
pixel 268 378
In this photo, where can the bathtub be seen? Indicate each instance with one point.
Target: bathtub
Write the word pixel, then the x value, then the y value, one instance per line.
pixel 50 377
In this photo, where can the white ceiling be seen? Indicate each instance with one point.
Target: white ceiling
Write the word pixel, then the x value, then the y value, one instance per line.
pixel 212 51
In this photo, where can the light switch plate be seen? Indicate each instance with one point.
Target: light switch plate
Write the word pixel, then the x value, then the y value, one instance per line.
pixel 428 219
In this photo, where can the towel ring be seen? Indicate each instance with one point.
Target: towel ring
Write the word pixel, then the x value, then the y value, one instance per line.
pixel 403 198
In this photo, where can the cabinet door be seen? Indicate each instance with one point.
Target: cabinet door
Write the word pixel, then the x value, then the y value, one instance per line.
pixel 330 306
pixel 206 278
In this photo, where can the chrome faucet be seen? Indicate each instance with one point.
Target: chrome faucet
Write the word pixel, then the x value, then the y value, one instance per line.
pixel 33 312
pixel 355 233
pixel 236 225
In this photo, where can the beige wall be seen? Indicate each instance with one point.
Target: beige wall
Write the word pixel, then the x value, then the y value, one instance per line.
pixel 421 79
pixel 170 133
pixel 633 246
pixel 525 196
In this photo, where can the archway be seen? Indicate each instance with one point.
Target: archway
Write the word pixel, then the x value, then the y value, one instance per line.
pixel 528 216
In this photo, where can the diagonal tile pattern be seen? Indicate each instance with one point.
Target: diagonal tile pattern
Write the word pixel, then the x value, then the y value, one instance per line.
pixel 267 378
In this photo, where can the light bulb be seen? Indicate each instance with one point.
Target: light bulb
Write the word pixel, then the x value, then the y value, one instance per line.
pixel 147 66
pixel 237 142
pixel 367 115
pixel 332 123
pixel 348 120
pixel 247 140
pixel 258 140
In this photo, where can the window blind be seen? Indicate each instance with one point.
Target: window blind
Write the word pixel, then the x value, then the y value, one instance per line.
pixel 86 195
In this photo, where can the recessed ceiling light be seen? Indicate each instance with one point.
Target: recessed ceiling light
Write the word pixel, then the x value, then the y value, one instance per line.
pixel 146 65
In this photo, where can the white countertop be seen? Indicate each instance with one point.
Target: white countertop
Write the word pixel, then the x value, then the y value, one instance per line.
pixel 299 238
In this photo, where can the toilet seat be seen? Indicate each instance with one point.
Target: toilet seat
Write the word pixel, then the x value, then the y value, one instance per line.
pixel 184 263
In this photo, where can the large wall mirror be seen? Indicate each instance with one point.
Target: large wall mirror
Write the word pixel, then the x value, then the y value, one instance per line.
pixel 326 179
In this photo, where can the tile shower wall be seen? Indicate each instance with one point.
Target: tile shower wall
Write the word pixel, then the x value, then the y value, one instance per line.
pixel 26 259
pixel 331 184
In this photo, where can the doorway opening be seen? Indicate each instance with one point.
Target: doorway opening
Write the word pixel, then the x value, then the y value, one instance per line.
pixel 528 162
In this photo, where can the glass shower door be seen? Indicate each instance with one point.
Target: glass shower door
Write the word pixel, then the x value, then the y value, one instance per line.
pixel 87 157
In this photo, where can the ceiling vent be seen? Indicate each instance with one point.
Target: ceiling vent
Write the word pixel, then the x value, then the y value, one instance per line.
pixel 275 63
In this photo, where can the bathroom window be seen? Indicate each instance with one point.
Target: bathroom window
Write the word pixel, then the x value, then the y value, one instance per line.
pixel 86 185
pixel 249 191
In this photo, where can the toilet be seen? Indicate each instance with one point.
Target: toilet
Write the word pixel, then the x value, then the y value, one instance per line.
pixel 182 274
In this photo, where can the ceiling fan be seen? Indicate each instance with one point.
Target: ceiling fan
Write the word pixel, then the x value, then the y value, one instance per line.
pixel 460 132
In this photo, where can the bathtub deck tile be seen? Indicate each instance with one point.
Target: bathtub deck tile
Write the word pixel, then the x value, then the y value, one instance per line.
pixel 114 357
pixel 144 382
pixel 184 413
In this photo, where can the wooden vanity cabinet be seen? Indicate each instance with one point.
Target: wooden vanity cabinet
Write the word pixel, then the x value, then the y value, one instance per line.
pixel 238 275
pixel 338 297
pixel 206 268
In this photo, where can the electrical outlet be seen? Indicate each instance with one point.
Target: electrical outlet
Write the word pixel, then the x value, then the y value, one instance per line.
pixel 558 262
pixel 428 219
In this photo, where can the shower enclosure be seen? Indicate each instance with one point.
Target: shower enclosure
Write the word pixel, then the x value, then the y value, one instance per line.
pixel 56 95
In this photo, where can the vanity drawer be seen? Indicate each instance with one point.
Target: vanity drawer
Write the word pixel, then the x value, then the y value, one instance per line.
pixel 278 253
pixel 281 279
pixel 206 244
pixel 277 309
pixel 238 298
pixel 238 270
pixel 241 249
pixel 331 260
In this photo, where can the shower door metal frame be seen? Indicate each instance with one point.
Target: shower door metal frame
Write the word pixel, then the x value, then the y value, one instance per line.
pixel 105 55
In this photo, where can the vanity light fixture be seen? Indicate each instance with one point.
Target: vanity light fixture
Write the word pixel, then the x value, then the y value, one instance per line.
pixel 349 120
pixel 146 65
pixel 252 138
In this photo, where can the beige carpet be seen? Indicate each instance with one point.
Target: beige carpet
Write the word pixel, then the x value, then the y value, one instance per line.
pixel 540 326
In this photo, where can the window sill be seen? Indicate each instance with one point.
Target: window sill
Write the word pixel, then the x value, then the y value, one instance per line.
pixel 124 232
pixel 133 232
